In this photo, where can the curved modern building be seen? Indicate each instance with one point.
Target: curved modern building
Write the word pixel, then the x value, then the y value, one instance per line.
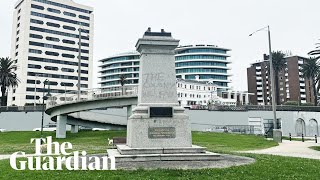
pixel 124 64
pixel 206 63
pixel 203 63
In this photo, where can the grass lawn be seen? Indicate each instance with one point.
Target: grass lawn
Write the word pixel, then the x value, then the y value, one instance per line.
pixel 266 167
pixel 317 148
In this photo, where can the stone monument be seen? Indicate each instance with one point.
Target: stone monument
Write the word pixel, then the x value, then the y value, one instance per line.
pixel 158 129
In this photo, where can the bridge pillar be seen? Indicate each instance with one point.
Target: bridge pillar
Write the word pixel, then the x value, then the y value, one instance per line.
pixel 74 129
pixel 129 111
pixel 61 132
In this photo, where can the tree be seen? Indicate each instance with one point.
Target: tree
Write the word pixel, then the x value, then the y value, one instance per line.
pixel 311 70
pixel 279 63
pixel 8 79
pixel 122 82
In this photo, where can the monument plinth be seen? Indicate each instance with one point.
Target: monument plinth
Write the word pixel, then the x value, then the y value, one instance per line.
pixel 158 129
pixel 158 121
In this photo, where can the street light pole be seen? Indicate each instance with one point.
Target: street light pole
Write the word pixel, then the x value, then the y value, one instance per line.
pixel 274 105
pixel 43 106
pixel 79 65
pixel 273 88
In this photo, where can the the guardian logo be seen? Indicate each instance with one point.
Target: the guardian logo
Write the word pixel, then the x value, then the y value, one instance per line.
pixel 58 155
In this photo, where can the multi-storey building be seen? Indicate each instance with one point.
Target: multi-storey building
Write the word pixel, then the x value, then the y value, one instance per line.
pixel 199 62
pixel 45 45
pixel 292 85
pixel 202 75
pixel 203 63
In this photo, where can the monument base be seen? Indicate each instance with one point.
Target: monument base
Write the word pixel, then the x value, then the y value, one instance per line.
pixel 158 132
pixel 124 153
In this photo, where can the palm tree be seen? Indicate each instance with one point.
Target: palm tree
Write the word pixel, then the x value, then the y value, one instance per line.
pixel 122 82
pixel 311 70
pixel 279 63
pixel 8 79
pixel 315 52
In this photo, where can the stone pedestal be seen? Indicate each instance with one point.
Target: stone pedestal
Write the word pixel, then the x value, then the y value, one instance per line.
pixel 158 129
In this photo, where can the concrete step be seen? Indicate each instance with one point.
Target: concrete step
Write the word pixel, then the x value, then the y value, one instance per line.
pixel 207 156
pixel 125 150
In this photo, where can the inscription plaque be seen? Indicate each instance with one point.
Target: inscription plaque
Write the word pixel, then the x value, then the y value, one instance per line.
pixel 161 112
pixel 161 132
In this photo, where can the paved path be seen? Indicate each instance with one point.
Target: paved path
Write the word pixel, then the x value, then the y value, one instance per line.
pixel 292 149
pixel 2 157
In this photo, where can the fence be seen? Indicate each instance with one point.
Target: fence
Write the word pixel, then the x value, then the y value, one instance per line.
pixel 37 108
pixel 264 108
pixel 90 94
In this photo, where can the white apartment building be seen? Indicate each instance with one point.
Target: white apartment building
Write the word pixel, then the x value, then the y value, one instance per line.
pixel 195 93
pixel 45 45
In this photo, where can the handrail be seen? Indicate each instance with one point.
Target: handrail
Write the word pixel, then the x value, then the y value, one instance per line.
pixel 90 94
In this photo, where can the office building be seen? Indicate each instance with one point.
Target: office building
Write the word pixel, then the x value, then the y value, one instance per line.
pixel 45 45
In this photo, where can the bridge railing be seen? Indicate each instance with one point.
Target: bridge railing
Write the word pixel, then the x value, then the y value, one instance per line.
pixel 91 94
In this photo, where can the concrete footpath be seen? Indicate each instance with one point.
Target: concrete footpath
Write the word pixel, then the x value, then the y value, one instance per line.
pixel 291 149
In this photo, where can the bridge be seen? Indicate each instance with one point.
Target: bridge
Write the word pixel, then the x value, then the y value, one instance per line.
pixel 68 109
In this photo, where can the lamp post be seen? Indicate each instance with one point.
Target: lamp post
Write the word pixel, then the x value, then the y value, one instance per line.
pixel 275 126
pixel 79 65
pixel 35 89
pixel 43 106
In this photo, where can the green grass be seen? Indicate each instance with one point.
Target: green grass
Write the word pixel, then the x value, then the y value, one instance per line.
pixel 90 141
pixel 222 142
pixel 265 167
pixel 317 148
pixel 96 141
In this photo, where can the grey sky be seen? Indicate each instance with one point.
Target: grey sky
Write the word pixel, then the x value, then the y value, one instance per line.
pixel 226 23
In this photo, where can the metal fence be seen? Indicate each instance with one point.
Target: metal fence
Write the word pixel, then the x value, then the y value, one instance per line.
pixel 264 108
pixel 37 108
pixel 91 94
pixel 236 129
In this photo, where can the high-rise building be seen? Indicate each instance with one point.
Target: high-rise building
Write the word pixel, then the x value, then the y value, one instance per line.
pixel 203 63
pixel 45 45
pixel 206 63
pixel 292 85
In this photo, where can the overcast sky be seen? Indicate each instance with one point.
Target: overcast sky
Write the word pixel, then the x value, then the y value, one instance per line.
pixel 294 26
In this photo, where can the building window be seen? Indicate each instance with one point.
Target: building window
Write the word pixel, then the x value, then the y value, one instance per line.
pixel 35 21
pixel 67 70
pixel 59 19
pixel 52 39
pixel 36 36
pixel 68 41
pixel 54 10
pixel 69 28
pixel 37 7
pixel 84 17
pixel 33 66
pixel 69 14
pixel 50 53
pixel 51 68
pixel 53 24
pixel 46 60
pixel 35 51
pixel 68 56
pixel 63 6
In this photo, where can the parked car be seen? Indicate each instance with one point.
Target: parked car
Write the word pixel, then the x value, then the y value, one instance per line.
pixel 2 130
pixel 83 128
pixel 99 129
pixel 49 127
